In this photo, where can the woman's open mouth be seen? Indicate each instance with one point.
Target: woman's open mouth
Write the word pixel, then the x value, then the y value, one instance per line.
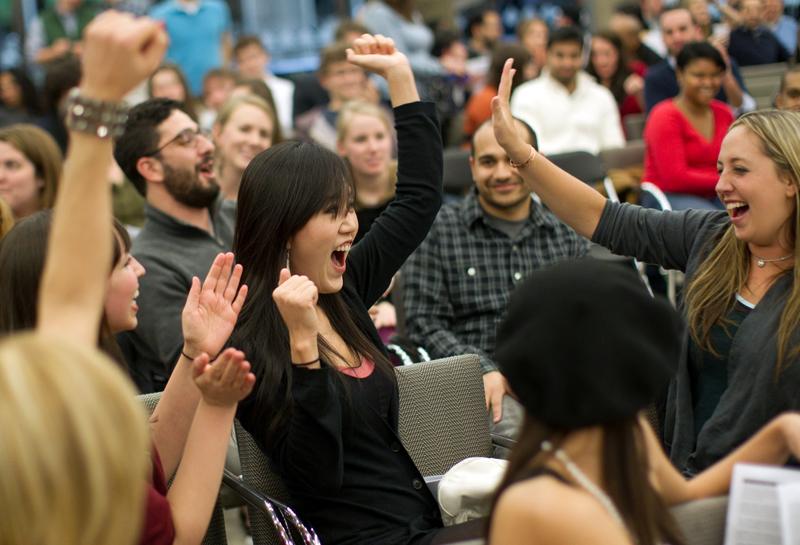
pixel 737 209
pixel 339 256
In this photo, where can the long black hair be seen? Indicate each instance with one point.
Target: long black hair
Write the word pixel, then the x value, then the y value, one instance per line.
pixel 617 83
pixel 282 189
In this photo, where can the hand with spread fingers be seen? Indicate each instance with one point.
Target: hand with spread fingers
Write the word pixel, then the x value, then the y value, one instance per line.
pixel 225 381
pixel 211 310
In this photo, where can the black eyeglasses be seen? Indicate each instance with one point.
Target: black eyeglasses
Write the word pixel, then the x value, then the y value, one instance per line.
pixel 185 138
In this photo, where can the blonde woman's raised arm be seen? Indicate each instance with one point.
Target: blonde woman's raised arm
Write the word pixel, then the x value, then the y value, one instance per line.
pixel 119 52
pixel 772 444
pixel 574 202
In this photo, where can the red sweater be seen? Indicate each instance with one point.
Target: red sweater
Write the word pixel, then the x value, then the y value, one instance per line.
pixel 158 527
pixel 678 158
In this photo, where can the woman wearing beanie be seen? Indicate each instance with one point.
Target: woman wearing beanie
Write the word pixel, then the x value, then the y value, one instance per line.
pixel 738 366
pixel 585 453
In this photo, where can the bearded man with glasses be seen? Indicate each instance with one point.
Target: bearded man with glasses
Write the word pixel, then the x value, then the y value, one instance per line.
pixel 171 163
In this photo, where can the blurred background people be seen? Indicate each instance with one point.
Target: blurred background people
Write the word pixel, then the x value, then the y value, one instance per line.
pixel 30 167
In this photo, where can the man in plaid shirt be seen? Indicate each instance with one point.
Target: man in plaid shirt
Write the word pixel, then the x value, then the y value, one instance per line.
pixel 458 282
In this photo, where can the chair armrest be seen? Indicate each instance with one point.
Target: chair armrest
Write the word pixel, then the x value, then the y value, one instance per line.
pixel 502 446
pixel 250 496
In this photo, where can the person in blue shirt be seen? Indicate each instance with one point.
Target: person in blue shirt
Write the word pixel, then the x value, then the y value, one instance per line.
pixel 199 36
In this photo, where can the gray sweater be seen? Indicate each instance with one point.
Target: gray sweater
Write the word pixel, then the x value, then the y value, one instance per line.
pixel 681 240
pixel 171 252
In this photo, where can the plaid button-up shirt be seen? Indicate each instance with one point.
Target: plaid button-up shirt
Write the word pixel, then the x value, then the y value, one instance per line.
pixel 458 282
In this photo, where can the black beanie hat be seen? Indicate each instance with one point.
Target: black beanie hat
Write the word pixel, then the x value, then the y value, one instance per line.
pixel 585 344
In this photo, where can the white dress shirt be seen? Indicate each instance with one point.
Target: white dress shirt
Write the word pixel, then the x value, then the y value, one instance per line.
pixel 283 95
pixel 585 120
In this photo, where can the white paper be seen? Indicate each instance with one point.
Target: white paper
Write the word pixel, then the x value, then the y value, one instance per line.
pixel 789 501
pixel 754 516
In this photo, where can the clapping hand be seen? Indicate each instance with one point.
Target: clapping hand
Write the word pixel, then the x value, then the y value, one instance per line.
pixel 212 309
pixel 226 381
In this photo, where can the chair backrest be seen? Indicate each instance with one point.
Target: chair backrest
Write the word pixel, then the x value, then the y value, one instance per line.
pixel 443 413
pixel 702 521
pixel 442 421
pixel 457 174
pixel 585 166
pixel 215 535
pixel 634 126
pixel 630 155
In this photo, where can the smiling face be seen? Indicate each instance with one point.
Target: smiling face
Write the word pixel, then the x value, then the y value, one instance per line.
pixel 247 132
pixel 319 249
pixel 501 190
pixel 20 187
pixel 605 57
pixel 760 201
pixel 677 30
pixel 123 288
pixel 700 81
pixel 367 144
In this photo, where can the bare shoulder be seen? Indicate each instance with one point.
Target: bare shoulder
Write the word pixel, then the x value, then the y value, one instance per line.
pixel 544 511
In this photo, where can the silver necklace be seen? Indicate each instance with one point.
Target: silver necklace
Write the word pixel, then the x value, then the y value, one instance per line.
pixel 762 262
pixel 585 482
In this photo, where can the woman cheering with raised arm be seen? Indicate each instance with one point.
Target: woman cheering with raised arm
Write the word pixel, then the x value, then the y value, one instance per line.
pixel 325 407
pixel 738 366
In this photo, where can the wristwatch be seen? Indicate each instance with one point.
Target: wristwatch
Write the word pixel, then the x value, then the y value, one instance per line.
pixel 104 119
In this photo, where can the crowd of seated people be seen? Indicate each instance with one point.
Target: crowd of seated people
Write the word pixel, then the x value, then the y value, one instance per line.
pixel 235 240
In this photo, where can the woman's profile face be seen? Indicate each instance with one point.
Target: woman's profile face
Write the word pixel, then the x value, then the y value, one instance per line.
pixel 20 187
pixel 123 288
pixel 167 84
pixel 247 132
pixel 605 57
pixel 319 249
pixel 367 144
pixel 700 80
pixel 760 201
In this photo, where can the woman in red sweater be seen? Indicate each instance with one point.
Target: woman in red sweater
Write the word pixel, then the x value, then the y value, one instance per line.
pixel 683 135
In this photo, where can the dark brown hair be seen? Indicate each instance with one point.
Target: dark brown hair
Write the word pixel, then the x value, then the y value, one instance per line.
pixel 22 258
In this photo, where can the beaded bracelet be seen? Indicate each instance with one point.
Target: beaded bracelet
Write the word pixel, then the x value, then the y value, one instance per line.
pixel 516 165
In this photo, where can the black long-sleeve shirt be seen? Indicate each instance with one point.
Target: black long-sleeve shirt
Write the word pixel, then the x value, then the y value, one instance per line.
pixel 340 455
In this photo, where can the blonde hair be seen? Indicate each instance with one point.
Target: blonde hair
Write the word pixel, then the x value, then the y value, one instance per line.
pixel 6 218
pixel 74 456
pixel 359 107
pixel 710 295
pixel 232 104
pixel 41 150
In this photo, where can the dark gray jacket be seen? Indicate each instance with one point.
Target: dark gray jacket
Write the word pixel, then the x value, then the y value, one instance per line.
pixel 171 252
pixel 681 240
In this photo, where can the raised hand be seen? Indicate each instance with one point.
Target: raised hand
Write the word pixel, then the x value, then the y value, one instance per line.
pixel 119 52
pixel 505 129
pixel 211 310
pixel 226 381
pixel 296 299
pixel 377 54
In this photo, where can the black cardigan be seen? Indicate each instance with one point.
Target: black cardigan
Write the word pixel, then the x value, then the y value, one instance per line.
pixel 340 456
